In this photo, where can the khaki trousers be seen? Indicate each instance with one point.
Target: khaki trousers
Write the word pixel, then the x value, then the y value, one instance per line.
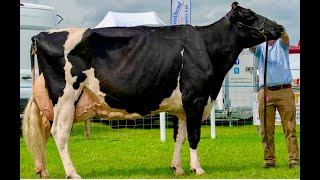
pixel 282 100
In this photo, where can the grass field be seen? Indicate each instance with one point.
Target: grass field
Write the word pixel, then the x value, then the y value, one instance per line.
pixel 235 153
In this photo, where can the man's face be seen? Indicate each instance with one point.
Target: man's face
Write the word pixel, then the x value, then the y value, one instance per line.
pixel 271 42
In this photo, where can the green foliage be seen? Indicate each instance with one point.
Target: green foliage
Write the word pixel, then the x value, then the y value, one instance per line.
pixel 235 153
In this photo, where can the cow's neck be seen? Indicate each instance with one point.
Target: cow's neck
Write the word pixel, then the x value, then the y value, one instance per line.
pixel 223 43
pixel 223 46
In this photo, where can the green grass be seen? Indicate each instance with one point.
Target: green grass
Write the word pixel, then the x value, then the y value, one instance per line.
pixel 235 153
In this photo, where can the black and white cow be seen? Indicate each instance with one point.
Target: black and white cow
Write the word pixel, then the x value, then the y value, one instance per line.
pixel 131 72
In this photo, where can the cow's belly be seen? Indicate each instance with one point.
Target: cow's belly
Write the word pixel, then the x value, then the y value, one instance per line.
pixel 89 105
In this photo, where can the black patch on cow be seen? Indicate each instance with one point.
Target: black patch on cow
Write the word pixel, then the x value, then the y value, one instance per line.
pixel 50 54
pixel 79 80
pixel 136 71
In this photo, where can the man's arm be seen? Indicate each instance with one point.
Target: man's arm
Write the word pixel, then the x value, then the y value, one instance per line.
pixel 285 38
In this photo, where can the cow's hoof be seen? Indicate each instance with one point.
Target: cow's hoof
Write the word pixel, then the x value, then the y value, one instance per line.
pixel 178 171
pixel 43 174
pixel 73 176
pixel 199 171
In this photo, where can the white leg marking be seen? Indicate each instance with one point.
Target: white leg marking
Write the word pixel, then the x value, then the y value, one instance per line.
pixel 64 109
pixel 61 127
pixel 195 163
pixel 207 109
pixel 181 137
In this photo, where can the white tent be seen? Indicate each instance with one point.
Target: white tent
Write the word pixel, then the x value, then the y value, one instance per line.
pixel 113 19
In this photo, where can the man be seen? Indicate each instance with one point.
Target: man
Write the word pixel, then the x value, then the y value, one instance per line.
pixel 279 96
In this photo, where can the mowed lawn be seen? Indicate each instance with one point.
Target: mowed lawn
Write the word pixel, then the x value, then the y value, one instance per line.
pixel 235 153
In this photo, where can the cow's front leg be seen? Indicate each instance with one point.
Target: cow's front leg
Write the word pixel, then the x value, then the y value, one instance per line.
pixel 180 134
pixel 194 111
pixel 61 127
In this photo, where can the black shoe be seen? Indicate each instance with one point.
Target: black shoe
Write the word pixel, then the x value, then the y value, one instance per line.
pixel 267 166
pixel 293 165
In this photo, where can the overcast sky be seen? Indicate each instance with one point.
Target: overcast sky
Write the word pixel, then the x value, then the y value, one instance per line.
pixel 88 13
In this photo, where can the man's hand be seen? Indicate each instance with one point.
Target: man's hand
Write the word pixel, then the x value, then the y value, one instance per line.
pixel 285 38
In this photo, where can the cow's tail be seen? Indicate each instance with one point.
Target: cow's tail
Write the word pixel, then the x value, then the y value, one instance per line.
pixel 33 51
pixel 36 132
pixel 35 126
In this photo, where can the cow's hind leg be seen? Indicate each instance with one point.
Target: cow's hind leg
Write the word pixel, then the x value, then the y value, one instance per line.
pixel 36 132
pixel 194 111
pixel 180 134
pixel 61 127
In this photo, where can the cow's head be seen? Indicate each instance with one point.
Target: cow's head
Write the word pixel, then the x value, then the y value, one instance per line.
pixel 252 27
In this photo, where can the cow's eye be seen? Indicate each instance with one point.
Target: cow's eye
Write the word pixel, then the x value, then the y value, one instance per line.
pixel 251 16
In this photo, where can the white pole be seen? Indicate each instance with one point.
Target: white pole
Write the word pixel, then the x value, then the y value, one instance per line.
pixel 213 123
pixel 87 129
pixel 162 126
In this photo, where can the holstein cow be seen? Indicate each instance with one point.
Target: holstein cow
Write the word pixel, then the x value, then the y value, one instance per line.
pixel 131 72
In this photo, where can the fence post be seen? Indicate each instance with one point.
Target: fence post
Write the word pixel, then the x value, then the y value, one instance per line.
pixel 162 126
pixel 87 129
pixel 213 123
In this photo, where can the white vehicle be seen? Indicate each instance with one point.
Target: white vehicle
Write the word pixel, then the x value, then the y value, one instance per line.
pixel 33 19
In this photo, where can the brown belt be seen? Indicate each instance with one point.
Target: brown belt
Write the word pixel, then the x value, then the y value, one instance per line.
pixel 274 88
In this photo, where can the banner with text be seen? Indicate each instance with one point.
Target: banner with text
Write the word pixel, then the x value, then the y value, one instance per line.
pixel 256 119
pixel 180 12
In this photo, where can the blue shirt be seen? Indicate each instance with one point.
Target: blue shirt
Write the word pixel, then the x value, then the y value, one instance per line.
pixel 278 67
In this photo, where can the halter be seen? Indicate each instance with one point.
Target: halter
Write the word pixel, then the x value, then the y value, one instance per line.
pixel 260 29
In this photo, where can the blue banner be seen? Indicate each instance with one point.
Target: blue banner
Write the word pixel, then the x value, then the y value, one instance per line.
pixel 180 12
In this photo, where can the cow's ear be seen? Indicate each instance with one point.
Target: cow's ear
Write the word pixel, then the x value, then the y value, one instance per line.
pixel 234 5
pixel 235 16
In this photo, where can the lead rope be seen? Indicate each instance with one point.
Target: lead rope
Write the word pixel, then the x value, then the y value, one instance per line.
pixel 266 97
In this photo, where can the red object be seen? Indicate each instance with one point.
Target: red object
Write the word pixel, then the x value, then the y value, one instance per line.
pixel 294 49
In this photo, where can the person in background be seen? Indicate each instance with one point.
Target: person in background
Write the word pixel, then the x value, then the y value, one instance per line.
pixel 279 96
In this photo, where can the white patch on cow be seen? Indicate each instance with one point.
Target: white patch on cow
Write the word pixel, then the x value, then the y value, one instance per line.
pixel 74 37
pixel 195 163
pixel 182 54
pixel 180 139
pixel 173 104
pixel 92 83
pixel 207 109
